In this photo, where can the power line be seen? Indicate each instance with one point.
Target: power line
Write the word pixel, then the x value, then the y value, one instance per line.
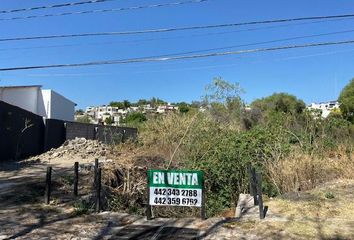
pixel 105 10
pixel 176 37
pixel 162 59
pixel 162 30
pixel 54 6
pixel 260 43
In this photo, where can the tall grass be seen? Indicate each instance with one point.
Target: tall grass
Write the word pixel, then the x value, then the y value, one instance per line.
pixel 292 152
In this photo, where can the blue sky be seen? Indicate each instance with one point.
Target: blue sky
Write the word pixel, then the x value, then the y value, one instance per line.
pixel 312 74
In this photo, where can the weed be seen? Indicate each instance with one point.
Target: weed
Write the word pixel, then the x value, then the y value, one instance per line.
pixel 67 180
pixel 81 207
pixel 329 195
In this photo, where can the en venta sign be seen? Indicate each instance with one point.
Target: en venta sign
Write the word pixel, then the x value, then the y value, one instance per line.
pixel 175 187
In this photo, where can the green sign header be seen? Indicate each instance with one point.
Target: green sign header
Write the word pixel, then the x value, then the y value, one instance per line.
pixel 176 178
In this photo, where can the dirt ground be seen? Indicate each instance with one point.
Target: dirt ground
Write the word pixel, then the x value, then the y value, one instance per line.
pixel 326 212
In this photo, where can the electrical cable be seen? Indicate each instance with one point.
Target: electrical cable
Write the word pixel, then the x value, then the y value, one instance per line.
pixel 260 43
pixel 161 30
pixel 162 59
pixel 54 6
pixel 166 38
pixel 105 10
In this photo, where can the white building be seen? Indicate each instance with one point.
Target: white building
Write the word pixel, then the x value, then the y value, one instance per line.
pixel 325 107
pixel 45 103
pixel 57 106
pixel 166 108
pixel 100 112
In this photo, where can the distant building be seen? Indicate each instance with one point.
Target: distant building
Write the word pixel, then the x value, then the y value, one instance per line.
pixel 325 107
pixel 166 108
pixel 100 113
pixel 45 103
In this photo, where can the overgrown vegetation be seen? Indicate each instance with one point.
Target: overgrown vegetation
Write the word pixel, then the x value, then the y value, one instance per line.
pixel 81 207
pixel 295 149
pixel 346 100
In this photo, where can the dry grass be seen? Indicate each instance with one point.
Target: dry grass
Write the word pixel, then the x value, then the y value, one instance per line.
pixel 164 136
pixel 301 171
pixel 308 215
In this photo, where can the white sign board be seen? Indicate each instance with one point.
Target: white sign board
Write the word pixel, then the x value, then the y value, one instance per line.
pixel 175 188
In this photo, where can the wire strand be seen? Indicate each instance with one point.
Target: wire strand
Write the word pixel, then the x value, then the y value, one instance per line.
pixel 54 6
pixel 194 35
pixel 162 59
pixel 105 10
pixel 162 30
pixel 260 43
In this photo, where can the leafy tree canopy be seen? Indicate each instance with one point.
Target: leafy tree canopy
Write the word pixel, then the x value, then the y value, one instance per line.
pixel 117 104
pixel 109 120
pixel 84 119
pixel 346 100
pixel 154 102
pixel 183 107
pixel 135 117
pixel 142 102
pixel 125 104
pixel 222 91
pixel 279 102
pixel 79 111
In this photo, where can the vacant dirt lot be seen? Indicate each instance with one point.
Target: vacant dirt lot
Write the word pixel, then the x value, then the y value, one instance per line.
pixel 326 212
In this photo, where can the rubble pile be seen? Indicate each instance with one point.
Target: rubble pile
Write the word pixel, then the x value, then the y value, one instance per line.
pixel 77 148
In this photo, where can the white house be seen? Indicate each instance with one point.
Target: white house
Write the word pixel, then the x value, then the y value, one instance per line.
pixel 166 108
pixel 46 103
pixel 57 106
pixel 325 107
pixel 100 113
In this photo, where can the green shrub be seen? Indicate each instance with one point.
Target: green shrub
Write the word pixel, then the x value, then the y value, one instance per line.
pixel 81 207
pixel 329 195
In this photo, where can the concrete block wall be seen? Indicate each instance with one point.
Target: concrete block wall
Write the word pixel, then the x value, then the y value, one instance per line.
pixel 51 133
pixel 81 130
pixel 16 142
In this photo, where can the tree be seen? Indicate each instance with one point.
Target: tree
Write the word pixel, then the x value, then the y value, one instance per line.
pixel 122 105
pixel 142 102
pixel 117 104
pixel 346 100
pixel 183 107
pixel 222 91
pixel 279 102
pixel 79 112
pixel 126 104
pixel 84 119
pixel 223 100
pixel 109 120
pixel 134 118
pixel 154 102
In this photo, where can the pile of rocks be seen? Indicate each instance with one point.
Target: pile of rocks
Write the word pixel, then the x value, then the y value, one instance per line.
pixel 77 148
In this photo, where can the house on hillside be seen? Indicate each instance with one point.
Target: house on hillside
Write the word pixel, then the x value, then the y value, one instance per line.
pixel 166 108
pixel 43 102
pixel 100 113
pixel 325 107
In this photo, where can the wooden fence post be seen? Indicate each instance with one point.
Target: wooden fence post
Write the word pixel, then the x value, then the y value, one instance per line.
pixel 254 181
pixel 249 168
pixel 98 189
pixel 259 193
pixel 95 173
pixel 48 185
pixel 253 184
pixel 76 178
pixel 96 163
pixel 148 210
